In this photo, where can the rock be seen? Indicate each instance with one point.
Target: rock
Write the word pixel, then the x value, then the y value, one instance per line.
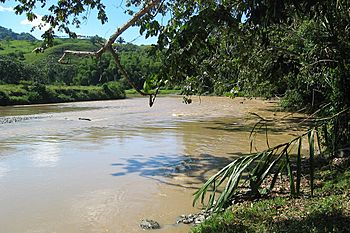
pixel 340 162
pixel 194 218
pixel 199 219
pixel 84 119
pixel 187 221
pixel 149 224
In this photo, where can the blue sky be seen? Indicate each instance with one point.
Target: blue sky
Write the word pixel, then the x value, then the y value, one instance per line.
pixel 91 27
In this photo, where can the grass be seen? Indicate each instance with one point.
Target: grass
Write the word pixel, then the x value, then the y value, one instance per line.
pixel 15 46
pixel 23 49
pixel 328 211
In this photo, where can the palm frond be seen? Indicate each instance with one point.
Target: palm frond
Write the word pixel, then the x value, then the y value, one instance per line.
pixel 256 167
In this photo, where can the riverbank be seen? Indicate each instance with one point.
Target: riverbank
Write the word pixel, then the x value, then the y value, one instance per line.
pixel 34 93
pixel 29 93
pixel 327 211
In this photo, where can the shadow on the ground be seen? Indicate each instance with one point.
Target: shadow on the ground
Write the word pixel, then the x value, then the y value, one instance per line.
pixel 335 221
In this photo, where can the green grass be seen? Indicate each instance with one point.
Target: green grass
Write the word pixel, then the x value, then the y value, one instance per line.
pixel 328 211
pixel 14 46
pixel 25 48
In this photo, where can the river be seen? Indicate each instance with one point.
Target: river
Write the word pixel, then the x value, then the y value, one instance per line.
pixel 121 163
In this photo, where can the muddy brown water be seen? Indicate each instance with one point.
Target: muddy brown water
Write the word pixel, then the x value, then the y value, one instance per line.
pixel 129 162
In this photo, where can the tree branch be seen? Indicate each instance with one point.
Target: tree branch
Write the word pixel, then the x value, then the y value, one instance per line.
pixel 108 47
pixel 130 23
pixel 76 53
pixel 152 97
pixel 115 35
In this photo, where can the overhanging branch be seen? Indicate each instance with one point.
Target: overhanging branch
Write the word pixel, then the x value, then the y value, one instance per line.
pixel 114 36
pixel 130 23
pixel 108 47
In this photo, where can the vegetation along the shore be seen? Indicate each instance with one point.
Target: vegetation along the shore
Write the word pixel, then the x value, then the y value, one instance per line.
pixel 327 211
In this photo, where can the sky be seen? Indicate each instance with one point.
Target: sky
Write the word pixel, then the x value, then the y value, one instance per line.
pixel 91 27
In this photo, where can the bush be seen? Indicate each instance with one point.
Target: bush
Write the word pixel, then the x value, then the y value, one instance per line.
pixel 4 98
pixel 114 90
pixel 19 100
pixel 34 97
pixel 292 100
pixel 64 98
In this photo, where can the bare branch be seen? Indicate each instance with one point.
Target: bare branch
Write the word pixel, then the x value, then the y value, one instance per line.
pixel 123 72
pixel 152 97
pixel 76 53
pixel 115 35
pixel 130 23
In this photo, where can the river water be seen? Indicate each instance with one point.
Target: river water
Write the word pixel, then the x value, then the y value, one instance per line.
pixel 122 163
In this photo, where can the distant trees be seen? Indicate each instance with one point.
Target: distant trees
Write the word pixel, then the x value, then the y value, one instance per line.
pixel 12 71
pixel 97 40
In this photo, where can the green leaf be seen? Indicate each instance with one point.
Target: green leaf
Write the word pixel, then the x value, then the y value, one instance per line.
pixel 298 179
pixel 312 156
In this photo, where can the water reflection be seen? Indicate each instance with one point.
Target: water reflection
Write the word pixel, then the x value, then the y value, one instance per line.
pixel 45 154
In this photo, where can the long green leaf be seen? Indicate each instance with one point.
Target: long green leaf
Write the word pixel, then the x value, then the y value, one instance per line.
pixel 298 178
pixel 279 169
pixel 290 174
pixel 233 182
pixel 312 156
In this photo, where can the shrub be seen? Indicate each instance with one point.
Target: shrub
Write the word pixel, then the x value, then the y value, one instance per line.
pixel 292 100
pixel 114 90
pixel 17 100
pixel 4 98
pixel 64 98
pixel 34 97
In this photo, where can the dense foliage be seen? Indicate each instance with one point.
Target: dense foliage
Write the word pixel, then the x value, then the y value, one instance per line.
pixel 18 62
pixel 35 93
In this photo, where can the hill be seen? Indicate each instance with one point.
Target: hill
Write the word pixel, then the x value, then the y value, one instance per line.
pixel 9 34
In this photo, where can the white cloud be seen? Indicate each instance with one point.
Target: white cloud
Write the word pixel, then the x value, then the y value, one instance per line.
pixel 6 9
pixel 36 22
